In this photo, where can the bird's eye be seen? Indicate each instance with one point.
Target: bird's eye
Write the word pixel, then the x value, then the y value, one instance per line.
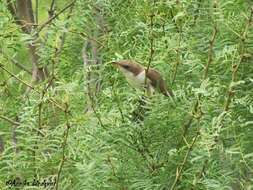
pixel 126 66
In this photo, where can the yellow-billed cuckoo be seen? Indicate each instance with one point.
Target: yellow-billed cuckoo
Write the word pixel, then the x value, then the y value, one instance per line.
pixel 135 75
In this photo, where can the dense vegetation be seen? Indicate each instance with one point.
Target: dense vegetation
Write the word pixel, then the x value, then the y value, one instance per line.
pixel 67 115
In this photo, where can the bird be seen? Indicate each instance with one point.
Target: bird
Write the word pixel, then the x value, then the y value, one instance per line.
pixel 136 76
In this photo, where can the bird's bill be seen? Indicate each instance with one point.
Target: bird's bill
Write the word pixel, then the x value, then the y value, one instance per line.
pixel 111 62
pixel 114 63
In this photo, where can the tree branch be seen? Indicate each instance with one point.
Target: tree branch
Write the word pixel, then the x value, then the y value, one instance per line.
pixel 181 166
pixel 151 39
pixel 9 120
pixel 64 146
pixel 53 17
pixel 31 87
pixel 205 74
pixel 219 125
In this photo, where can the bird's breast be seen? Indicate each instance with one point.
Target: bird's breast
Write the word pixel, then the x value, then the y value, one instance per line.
pixel 138 81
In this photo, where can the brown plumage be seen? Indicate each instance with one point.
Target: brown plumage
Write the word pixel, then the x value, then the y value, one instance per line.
pixel 135 75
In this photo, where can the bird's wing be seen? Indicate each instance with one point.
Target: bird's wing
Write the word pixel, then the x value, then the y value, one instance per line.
pixel 158 82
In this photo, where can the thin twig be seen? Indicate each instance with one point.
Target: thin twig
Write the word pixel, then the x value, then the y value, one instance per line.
pixel 92 103
pixel 230 93
pixel 53 17
pixel 9 120
pixel 151 39
pixel 95 111
pixel 15 62
pixel 58 49
pixel 180 168
pixel 210 51
pixel 173 20
pixel 178 52
pixel 118 104
pixel 86 36
pixel 93 83
pixel 35 147
pixel 52 9
pixel 205 74
pixel 196 12
pixel 64 146
pixel 36 12
pixel 31 87
pixel 1 144
pixel 195 112
pixel 177 62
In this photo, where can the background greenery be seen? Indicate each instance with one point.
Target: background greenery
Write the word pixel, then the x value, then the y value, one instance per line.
pixel 203 141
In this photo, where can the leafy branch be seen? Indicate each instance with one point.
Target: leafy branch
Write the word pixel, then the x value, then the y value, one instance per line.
pixel 64 145
pixel 31 87
pixel 230 94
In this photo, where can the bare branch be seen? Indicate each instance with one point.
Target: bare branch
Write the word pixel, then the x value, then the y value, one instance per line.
pixel 9 120
pixel 15 62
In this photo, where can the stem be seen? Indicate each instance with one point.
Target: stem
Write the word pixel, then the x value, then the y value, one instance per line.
pixel 151 39
pixel 230 94
pixel 205 74
pixel 210 51
pixel 31 87
pixel 64 145
pixel 53 17
pixel 9 120
pixel 181 166
pixel 36 12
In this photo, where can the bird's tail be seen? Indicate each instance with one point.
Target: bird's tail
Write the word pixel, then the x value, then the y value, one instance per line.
pixel 164 90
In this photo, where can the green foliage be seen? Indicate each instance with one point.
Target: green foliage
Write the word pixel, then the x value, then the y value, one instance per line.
pixel 201 140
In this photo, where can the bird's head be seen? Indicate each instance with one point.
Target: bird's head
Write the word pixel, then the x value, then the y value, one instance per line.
pixel 128 67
